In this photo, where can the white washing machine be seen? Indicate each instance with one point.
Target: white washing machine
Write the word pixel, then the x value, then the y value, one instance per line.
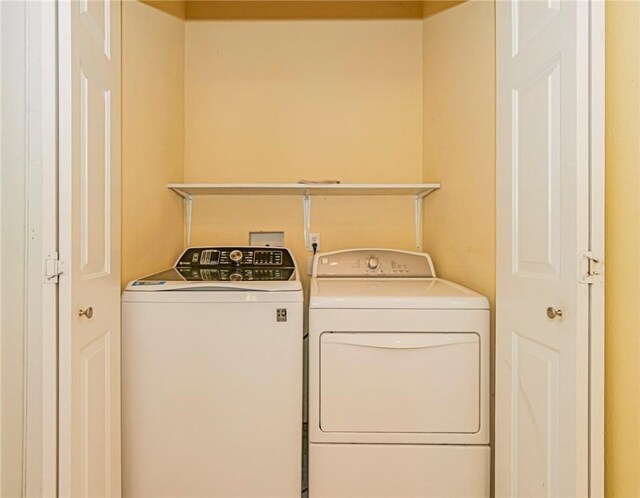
pixel 398 379
pixel 212 376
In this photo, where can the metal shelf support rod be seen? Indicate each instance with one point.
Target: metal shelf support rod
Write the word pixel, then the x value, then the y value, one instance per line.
pixel 188 213
pixel 418 221
pixel 419 225
pixel 306 206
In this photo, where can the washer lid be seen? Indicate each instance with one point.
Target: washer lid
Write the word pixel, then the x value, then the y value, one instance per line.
pixel 226 268
pixel 171 285
pixel 206 279
pixel 221 295
pixel 392 293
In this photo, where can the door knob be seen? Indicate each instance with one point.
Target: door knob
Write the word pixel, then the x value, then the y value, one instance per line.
pixel 88 312
pixel 553 313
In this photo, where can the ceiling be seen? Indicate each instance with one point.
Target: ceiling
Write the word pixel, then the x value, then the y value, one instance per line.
pixel 301 9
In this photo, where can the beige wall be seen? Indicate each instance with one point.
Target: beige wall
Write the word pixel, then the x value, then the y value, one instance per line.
pixel 622 312
pixel 152 138
pixel 459 146
pixel 280 101
pixel 459 143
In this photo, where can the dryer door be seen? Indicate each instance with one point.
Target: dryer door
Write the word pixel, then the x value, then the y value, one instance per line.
pixel 400 382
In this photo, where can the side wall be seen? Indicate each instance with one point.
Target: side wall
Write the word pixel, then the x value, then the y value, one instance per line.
pixel 459 146
pixel 152 138
pixel 622 288
pixel 459 143
pixel 281 101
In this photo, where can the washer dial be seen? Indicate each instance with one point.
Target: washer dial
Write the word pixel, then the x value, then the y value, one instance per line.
pixel 373 263
pixel 236 256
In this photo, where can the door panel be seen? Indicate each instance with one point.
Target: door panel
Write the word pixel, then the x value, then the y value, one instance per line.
pixel 96 393
pixel 542 365
pixel 400 382
pixel 97 18
pixel 89 293
pixel 95 171
pixel 535 385
pixel 529 18
pixel 536 173
pixel 423 333
pixel 399 471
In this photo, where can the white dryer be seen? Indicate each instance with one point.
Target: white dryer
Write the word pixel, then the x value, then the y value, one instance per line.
pixel 212 377
pixel 398 379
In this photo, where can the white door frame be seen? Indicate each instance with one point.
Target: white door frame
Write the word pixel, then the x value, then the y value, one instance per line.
pixel 39 475
pixel 37 64
pixel 41 353
pixel 597 297
pixel 49 190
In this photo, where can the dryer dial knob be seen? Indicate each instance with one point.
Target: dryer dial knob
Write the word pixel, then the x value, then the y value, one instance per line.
pixel 373 263
pixel 236 256
pixel 235 277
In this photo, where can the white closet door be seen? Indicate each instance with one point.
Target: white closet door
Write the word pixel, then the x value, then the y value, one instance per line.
pixel 89 152
pixel 543 227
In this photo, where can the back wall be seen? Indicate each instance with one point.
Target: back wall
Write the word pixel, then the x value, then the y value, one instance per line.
pixel 281 101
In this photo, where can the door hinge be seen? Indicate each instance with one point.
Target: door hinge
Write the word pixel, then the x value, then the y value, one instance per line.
pixel 52 268
pixel 590 268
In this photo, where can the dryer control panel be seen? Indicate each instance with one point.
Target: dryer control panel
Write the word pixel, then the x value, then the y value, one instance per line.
pixel 373 263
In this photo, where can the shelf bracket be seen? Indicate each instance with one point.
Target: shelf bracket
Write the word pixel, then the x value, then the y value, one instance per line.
pixel 188 215
pixel 187 200
pixel 418 221
pixel 419 225
pixel 306 206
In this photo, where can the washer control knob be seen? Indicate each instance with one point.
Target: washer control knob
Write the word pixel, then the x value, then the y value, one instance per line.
pixel 236 256
pixel 373 263
pixel 235 277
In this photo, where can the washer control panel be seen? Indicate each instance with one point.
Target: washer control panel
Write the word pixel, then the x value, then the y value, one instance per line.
pixel 373 263
pixel 235 274
pixel 236 263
